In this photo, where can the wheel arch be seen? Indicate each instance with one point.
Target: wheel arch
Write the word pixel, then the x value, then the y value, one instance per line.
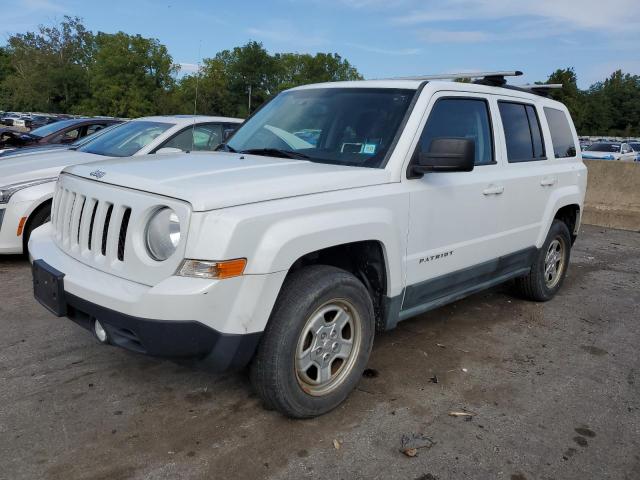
pixel 365 259
pixel 565 204
pixel 30 216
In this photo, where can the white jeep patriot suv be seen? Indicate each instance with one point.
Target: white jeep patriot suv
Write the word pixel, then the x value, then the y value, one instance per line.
pixel 337 210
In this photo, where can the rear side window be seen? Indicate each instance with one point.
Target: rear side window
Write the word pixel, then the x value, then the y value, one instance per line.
pixel 561 136
pixel 522 132
pixel 461 118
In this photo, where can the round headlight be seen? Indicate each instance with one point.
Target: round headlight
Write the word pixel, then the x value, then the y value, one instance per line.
pixel 163 234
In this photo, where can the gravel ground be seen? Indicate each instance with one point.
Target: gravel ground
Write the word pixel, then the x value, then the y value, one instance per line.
pixel 554 390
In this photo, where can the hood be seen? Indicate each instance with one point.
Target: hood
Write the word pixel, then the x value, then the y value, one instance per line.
pixel 600 155
pixel 22 168
pixel 210 181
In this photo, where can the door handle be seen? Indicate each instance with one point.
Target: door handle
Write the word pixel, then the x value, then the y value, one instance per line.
pixel 493 190
pixel 548 181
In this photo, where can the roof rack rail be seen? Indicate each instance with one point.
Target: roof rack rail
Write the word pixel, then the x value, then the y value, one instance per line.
pixel 489 76
pixel 540 89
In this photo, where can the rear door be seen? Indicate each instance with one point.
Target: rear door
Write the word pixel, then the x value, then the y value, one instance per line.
pixel 528 180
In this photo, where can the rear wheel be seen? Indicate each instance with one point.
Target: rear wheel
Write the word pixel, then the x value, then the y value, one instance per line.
pixel 316 344
pixel 550 266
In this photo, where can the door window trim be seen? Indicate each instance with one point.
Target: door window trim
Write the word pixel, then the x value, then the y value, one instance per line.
pixel 466 96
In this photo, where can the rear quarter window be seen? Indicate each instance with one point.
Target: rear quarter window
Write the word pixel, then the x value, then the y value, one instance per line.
pixel 561 136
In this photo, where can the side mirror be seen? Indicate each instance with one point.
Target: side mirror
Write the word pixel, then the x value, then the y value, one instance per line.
pixel 446 155
pixel 227 134
pixel 165 150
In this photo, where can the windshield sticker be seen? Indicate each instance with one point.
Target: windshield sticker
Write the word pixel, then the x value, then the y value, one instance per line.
pixel 369 148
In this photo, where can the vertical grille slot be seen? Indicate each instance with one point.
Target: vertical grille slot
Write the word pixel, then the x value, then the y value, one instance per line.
pixel 84 202
pixel 122 238
pixel 105 230
pixel 93 218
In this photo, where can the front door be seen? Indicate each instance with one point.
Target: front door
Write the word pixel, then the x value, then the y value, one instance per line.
pixel 454 216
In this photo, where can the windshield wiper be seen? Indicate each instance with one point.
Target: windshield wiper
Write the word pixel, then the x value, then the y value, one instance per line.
pixel 225 147
pixel 275 152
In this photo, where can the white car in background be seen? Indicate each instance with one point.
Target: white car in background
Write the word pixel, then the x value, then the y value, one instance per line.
pixel 609 151
pixel 27 181
pixel 635 146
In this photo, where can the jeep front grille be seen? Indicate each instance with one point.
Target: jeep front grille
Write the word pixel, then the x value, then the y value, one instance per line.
pixel 85 222
pixel 103 225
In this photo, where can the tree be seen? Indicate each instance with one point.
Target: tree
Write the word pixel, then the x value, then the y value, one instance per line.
pixel 49 67
pixel 236 82
pixel 129 76
pixel 298 69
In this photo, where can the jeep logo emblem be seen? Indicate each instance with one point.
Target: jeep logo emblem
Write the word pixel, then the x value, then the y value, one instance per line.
pixel 98 174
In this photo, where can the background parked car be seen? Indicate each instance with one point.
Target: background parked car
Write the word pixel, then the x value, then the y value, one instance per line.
pixel 64 131
pixel 51 147
pixel 635 146
pixel 8 118
pixel 34 121
pixel 609 151
pixel 27 182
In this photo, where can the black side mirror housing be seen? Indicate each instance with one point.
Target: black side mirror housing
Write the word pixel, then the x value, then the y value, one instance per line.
pixel 445 155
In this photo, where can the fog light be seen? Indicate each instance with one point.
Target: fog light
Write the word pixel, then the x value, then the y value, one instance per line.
pixel 101 333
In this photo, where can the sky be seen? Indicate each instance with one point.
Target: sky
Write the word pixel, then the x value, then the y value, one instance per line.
pixel 381 38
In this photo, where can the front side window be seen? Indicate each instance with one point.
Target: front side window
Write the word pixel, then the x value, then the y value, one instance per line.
pixel 202 137
pixel 522 132
pixel 460 118
pixel 561 136
pixel 127 139
pixel 344 126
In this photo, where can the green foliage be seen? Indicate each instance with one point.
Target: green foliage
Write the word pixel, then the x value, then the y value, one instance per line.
pixel 48 68
pixel 611 107
pixel 129 76
pixel 235 81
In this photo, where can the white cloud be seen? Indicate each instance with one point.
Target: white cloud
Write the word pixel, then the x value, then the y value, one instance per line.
pixel 284 32
pixel 615 15
pixel 385 51
pixel 454 36
pixel 20 18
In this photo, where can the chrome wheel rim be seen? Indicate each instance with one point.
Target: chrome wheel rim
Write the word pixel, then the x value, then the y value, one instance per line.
pixel 554 263
pixel 328 347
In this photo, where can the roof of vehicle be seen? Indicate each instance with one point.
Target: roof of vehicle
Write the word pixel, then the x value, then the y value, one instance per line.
pixel 188 119
pixel 411 84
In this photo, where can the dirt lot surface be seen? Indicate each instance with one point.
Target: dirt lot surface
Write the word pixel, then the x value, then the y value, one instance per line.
pixel 554 390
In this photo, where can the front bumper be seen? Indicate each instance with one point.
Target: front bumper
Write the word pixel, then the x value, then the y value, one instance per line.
pixel 167 339
pixel 218 321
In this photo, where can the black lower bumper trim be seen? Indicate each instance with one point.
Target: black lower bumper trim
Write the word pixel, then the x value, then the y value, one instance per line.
pixel 166 338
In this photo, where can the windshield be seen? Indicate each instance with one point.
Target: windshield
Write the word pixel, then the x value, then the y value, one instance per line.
pixel 126 140
pixel 604 147
pixel 635 146
pixel 52 128
pixel 344 126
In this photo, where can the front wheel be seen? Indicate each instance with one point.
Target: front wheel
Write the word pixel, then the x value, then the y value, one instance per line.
pixel 316 344
pixel 550 266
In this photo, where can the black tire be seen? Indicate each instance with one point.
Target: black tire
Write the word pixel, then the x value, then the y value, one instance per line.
pixel 38 218
pixel 534 286
pixel 273 370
